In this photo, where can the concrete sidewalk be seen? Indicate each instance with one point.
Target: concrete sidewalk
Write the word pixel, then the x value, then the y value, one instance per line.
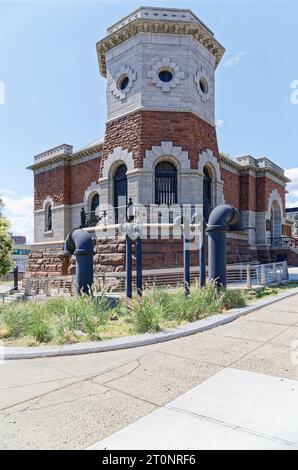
pixel 74 402
pixel 231 410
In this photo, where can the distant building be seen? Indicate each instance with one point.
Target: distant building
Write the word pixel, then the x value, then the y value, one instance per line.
pixel 292 213
pixel 20 256
pixel 18 239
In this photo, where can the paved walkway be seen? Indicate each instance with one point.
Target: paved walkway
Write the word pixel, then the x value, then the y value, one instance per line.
pixel 75 402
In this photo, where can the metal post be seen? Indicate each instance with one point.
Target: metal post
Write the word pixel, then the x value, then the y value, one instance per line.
pixel 248 277
pixel 263 275
pixel 222 219
pixel 186 274
pixel 139 265
pixel 203 257
pixel 217 264
pixel 128 266
pixel 285 274
pixel 15 278
pixel 79 243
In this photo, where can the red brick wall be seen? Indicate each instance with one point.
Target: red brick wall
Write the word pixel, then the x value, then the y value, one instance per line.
pixel 82 175
pixel 54 183
pixel 264 187
pixel 231 187
pixel 247 193
pixel 139 131
pixel 65 184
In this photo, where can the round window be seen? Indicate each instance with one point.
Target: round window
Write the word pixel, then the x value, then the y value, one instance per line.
pixel 123 82
pixel 204 85
pixel 165 76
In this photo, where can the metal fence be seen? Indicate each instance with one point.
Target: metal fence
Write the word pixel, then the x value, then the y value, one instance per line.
pixel 247 276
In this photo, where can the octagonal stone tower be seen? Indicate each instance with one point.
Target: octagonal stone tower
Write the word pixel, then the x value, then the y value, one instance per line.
pixel 160 68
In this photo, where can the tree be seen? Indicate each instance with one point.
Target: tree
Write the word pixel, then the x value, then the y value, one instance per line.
pixel 5 245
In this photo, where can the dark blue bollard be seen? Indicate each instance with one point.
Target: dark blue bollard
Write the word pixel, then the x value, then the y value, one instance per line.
pixel 15 278
pixel 139 265
pixel 79 243
pixel 202 279
pixel 222 219
pixel 186 265
pixel 128 266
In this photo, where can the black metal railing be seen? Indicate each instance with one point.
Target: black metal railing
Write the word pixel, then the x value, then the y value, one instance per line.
pixel 115 215
pixel 283 242
pixel 155 213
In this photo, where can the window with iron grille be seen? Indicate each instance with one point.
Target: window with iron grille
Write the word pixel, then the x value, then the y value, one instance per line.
pixel 48 221
pixel 165 183
pixel 207 193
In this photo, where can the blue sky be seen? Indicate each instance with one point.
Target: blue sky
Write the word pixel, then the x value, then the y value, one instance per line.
pixel 51 91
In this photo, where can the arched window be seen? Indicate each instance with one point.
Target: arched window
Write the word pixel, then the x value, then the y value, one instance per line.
pixel 165 183
pixel 207 193
pixel 94 203
pixel 275 224
pixel 120 193
pixel 48 218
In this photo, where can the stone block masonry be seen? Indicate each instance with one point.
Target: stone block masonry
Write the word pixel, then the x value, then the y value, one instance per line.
pixel 46 263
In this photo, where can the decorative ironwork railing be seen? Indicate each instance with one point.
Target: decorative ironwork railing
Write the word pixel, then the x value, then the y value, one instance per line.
pixel 283 242
pixel 154 213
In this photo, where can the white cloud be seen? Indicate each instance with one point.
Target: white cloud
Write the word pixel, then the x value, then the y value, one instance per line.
pixel 234 59
pixel 19 212
pixel 292 174
pixel 219 123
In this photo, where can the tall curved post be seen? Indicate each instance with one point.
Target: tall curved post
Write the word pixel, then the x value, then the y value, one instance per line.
pixel 79 243
pixel 222 219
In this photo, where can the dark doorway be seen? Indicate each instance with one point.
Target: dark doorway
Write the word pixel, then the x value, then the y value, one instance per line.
pixel 207 194
pixel 120 194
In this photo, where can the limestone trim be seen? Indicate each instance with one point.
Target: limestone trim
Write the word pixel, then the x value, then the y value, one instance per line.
pixel 48 201
pixel 275 197
pixel 90 193
pixel 119 155
pixel 166 64
pixel 166 150
pixel 125 71
pixel 141 25
pixel 202 75
pixel 207 158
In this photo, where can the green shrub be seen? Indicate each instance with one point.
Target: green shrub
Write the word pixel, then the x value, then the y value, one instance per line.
pixel 15 319
pixel 66 320
pixel 39 322
pixel 147 314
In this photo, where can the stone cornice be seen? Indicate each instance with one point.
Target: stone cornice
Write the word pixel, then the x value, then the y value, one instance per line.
pixel 65 158
pixel 260 171
pixel 141 25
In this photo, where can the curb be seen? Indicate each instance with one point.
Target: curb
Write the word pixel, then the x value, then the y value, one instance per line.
pixel 11 353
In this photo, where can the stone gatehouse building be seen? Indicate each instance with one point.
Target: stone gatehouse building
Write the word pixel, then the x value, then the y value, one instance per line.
pixel 159 147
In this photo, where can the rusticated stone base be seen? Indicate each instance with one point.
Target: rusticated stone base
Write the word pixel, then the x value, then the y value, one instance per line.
pixel 109 256
pixel 45 263
pixel 285 254
pixel 239 251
